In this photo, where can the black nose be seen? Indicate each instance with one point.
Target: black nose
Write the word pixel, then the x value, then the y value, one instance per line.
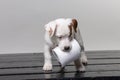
pixel 66 48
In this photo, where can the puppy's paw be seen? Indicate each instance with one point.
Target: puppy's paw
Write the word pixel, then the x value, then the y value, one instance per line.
pixel 82 69
pixel 47 67
pixel 84 60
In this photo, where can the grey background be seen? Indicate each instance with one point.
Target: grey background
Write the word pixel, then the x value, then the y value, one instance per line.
pixel 22 23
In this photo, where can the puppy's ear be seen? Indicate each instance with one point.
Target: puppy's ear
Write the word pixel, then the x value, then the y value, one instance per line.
pixel 74 24
pixel 51 28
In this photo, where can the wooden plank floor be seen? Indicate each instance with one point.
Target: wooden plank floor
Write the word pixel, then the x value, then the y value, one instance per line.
pixel 102 65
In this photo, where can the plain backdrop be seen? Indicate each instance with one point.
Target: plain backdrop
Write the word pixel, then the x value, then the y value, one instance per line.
pixel 22 23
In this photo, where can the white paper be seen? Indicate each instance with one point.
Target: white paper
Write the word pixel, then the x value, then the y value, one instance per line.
pixel 67 57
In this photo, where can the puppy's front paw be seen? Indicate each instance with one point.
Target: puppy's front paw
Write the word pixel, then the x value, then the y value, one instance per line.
pixel 47 67
pixel 84 59
pixel 82 69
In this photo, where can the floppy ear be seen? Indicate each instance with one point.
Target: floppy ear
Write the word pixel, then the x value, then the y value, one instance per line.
pixel 50 28
pixel 74 24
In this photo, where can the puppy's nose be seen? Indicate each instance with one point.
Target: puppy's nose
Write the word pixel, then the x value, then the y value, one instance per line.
pixel 66 48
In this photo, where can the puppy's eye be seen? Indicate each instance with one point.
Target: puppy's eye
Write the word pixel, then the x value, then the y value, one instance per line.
pixel 60 37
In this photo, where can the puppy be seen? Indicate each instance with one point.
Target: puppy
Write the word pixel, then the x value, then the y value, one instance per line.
pixel 59 33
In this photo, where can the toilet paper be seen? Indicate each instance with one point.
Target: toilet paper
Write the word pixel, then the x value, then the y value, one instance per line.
pixel 65 58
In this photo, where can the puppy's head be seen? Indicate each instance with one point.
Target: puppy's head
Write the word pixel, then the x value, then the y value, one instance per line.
pixel 63 30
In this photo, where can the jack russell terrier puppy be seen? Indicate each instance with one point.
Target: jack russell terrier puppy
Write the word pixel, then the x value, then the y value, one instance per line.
pixel 59 33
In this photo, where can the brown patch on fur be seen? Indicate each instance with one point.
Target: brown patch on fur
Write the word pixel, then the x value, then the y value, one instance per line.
pixel 70 28
pixel 74 23
pixel 50 31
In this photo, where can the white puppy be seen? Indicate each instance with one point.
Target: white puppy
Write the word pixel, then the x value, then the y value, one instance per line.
pixel 59 33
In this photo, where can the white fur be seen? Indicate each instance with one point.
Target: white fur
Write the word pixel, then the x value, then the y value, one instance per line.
pixel 60 29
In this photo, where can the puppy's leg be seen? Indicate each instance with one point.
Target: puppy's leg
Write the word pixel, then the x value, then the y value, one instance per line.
pixel 47 58
pixel 78 37
pixel 84 58
pixel 79 66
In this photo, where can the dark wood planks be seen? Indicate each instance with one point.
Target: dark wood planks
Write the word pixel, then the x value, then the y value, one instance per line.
pixel 28 66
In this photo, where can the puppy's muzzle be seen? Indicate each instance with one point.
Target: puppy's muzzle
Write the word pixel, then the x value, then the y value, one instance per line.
pixel 67 48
